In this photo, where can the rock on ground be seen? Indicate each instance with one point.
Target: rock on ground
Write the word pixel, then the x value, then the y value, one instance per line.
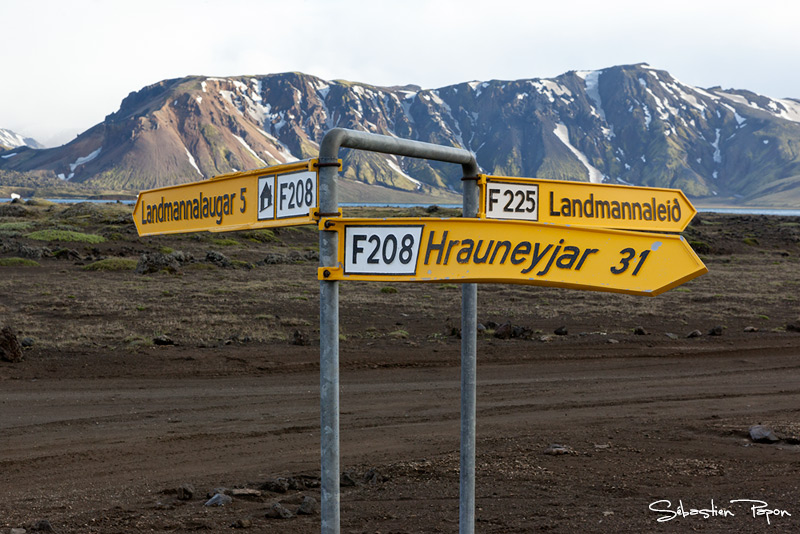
pixel 10 349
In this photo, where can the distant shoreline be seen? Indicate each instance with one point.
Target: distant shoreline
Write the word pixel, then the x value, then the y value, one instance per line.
pixel 708 208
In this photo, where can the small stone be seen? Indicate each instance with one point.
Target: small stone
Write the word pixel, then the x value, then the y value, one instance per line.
pixel 214 491
pixel 10 349
pixel 716 331
pixel 43 525
pixel 185 492
pixel 217 259
pixel 762 434
pixel 276 485
pixel 694 333
pixel 308 506
pixel 612 341
pixel 220 499
pixel 245 493
pixel 480 327
pixel 163 340
pixel 639 331
pixel 154 262
pixel 373 477
pixel 299 338
pixel 750 329
pixel 346 480
pixel 793 327
pixel 71 254
pixel 18 531
pixel 504 331
pixel 557 450
pixel 295 484
pixel 279 511
pixel 547 338
pixel 561 331
pixel 671 335
pixel 242 523
pixel 27 342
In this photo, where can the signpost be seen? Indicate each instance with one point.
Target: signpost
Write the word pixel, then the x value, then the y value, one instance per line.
pixel 585 204
pixel 282 195
pixel 514 230
pixel 513 252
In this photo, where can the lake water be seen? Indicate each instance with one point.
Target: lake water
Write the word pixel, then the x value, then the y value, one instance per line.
pixel 742 211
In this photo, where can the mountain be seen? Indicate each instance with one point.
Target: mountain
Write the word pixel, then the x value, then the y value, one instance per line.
pixel 629 124
pixel 9 139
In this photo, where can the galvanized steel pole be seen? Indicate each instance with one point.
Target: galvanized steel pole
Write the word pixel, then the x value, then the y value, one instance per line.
pixel 469 340
pixel 329 318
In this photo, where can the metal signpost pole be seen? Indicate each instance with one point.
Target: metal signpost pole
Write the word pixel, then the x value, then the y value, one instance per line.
pixel 469 339
pixel 329 352
pixel 329 308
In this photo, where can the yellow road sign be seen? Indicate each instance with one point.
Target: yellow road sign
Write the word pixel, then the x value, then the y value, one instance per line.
pixel 282 195
pixel 585 204
pixel 515 252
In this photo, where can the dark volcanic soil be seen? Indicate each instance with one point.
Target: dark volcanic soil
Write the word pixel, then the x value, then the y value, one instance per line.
pixel 100 425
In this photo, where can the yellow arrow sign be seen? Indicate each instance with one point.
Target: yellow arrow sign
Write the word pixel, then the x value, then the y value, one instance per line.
pixel 282 195
pixel 585 204
pixel 515 252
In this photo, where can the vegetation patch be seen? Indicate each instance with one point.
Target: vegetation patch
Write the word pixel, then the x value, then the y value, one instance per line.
pixel 225 242
pixel 16 226
pixel 17 262
pixel 398 334
pixel 700 247
pixel 112 264
pixel 264 235
pixel 239 264
pixel 65 235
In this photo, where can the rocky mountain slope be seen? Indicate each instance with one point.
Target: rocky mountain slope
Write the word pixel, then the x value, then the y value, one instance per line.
pixel 628 124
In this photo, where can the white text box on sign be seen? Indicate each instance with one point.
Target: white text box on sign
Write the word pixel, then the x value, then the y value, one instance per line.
pixel 516 201
pixel 296 194
pixel 388 250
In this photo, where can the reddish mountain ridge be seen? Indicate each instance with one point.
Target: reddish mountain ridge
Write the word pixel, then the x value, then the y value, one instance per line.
pixel 628 124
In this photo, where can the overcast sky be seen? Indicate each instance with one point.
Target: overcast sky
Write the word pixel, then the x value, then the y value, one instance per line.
pixel 66 64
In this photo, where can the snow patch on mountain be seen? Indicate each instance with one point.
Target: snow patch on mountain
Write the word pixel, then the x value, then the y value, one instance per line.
pixel 595 176
pixel 717 151
pixel 790 109
pixel 250 149
pixel 592 82
pixel 193 162
pixel 395 166
pixel 550 89
pixel 85 159
pixel 283 151
pixel 647 117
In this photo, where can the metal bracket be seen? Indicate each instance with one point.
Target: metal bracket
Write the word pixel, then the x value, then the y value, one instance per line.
pixel 316 214
pixel 327 273
pixel 319 165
